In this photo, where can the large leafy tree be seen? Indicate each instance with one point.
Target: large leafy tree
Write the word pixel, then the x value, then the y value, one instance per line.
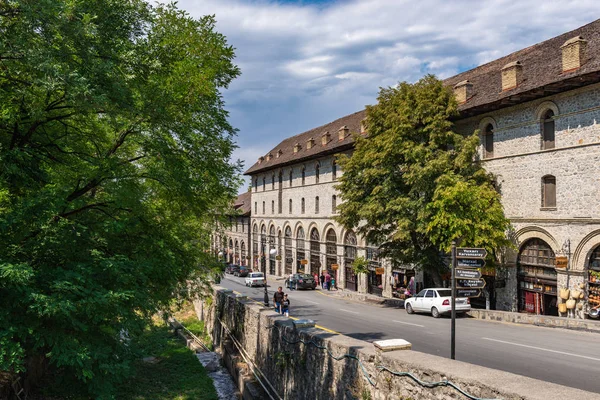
pixel 414 185
pixel 114 155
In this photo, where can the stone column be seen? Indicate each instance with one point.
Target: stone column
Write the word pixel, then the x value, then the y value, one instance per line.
pixel 341 271
pixel 362 278
pixel 387 287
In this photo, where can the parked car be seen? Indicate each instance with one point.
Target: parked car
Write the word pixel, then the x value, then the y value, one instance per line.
pixel 242 271
pixel 302 281
pixel 229 269
pixel 255 279
pixel 436 301
pixel 234 269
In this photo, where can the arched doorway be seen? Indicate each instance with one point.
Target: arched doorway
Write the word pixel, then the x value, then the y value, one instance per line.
pixel 263 249
pixel 331 253
pixel 288 251
pixel 349 256
pixel 244 261
pixel 300 253
pixel 536 275
pixel 272 254
pixel 236 254
pixel 594 278
pixel 230 252
pixel 315 252
pixel 375 277
pixel 255 252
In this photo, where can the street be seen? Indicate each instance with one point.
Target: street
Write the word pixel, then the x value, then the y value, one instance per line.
pixel 565 357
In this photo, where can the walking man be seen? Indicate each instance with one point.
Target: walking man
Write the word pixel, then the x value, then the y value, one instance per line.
pixel 278 298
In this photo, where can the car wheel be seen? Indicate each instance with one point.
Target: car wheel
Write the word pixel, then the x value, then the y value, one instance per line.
pixel 435 312
pixel 409 309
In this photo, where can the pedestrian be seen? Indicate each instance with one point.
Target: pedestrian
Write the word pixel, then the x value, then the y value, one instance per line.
pixel 328 281
pixel 411 286
pixel 285 306
pixel 322 279
pixel 316 279
pixel 278 298
pixel 290 281
pixel 333 283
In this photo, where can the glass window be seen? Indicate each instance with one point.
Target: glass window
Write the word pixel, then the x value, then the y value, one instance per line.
pixel 303 176
pixel 421 293
pixel 333 170
pixel 302 206
pixel 445 293
pixel 333 204
pixel 489 141
pixel 290 206
pixel 291 176
pixel 549 191
pixel 430 293
pixel 317 171
pixel 548 132
pixel 317 205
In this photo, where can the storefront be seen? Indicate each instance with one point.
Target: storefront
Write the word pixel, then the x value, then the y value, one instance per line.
pixel 331 253
pixel 263 249
pixel 349 256
pixel 288 257
pixel 272 254
pixel 399 280
pixel 594 281
pixel 255 253
pixel 243 254
pixel 300 253
pixel 315 252
pixel 537 278
pixel 375 275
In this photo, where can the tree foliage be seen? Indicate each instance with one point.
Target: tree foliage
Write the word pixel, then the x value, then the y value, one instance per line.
pixel 115 148
pixel 414 185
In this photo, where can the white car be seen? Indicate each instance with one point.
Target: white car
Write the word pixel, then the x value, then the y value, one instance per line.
pixel 437 302
pixel 255 279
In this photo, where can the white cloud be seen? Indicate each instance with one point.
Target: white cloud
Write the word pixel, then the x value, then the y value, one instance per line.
pixel 304 65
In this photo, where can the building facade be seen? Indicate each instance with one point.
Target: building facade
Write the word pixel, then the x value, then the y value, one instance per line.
pixel 537 113
pixel 231 241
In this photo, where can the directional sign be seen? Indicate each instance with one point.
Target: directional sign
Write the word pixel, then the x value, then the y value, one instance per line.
pixel 468 292
pixel 470 262
pixel 467 273
pixel 470 283
pixel 468 252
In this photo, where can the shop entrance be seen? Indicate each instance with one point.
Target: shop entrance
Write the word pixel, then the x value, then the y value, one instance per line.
pixel 536 275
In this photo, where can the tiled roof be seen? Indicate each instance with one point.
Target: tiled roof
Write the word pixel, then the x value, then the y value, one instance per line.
pixel 541 71
pixel 334 145
pixel 243 203
pixel 542 76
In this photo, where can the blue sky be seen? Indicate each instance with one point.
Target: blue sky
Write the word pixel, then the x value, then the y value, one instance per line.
pixel 307 62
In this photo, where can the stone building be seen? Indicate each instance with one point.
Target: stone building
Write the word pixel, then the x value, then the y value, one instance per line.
pixel 232 240
pixel 536 111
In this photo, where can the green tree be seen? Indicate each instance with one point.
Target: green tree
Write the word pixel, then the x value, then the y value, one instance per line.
pixel 115 148
pixel 414 185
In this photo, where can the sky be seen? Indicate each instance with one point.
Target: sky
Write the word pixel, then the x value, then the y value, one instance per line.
pixel 305 63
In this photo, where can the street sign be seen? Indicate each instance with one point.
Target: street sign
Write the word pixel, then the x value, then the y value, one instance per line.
pixel 335 267
pixel 468 292
pixel 561 262
pixel 303 262
pixel 469 252
pixel 470 262
pixel 379 271
pixel 467 273
pixel 470 283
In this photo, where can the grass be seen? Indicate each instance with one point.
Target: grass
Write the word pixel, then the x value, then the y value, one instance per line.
pixel 187 316
pixel 178 375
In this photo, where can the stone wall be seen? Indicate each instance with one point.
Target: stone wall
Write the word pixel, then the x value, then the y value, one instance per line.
pixel 297 363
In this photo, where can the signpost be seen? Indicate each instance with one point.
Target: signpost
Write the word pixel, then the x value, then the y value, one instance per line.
pixel 466 281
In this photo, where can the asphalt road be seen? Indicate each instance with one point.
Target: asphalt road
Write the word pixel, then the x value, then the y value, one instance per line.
pixel 565 357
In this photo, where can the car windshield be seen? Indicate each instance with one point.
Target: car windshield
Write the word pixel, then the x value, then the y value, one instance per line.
pixel 305 276
pixel 445 293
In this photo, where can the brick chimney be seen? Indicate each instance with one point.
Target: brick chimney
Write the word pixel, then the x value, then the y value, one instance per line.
pixel 573 53
pixel 279 153
pixel 325 138
pixel 261 159
pixel 310 143
pixel 512 75
pixel 296 147
pixel 463 91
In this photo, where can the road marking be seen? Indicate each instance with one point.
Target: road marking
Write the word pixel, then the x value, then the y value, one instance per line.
pixel 348 311
pixel 542 349
pixel 310 301
pixel 409 323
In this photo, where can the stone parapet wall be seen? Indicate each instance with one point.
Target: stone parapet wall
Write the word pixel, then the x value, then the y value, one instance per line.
pixel 300 365
pixel 539 320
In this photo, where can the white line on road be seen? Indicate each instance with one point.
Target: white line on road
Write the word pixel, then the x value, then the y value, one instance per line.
pixel 348 311
pixel 310 301
pixel 541 348
pixel 409 323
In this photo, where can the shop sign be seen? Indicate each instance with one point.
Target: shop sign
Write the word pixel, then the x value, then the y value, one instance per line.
pixel 379 271
pixel 278 258
pixel 335 267
pixel 561 262
pixel 303 262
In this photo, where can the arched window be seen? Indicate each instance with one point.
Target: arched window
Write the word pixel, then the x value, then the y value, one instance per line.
pixel 333 170
pixel 256 184
pixel 302 206
pixel 291 176
pixel 273 181
pixel 272 246
pixel 287 242
pixel 255 245
pixel 488 139
pixel 333 204
pixel 331 249
pixel 255 208
pixel 264 209
pixel 264 183
pixel 290 206
pixel 549 191
pixel 349 256
pixel 548 130
pixel 317 205
pixel 303 175
pixel 317 171
pixel 300 254
pixel 243 253
pixel 315 251
pixel 272 206
pixel 537 278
